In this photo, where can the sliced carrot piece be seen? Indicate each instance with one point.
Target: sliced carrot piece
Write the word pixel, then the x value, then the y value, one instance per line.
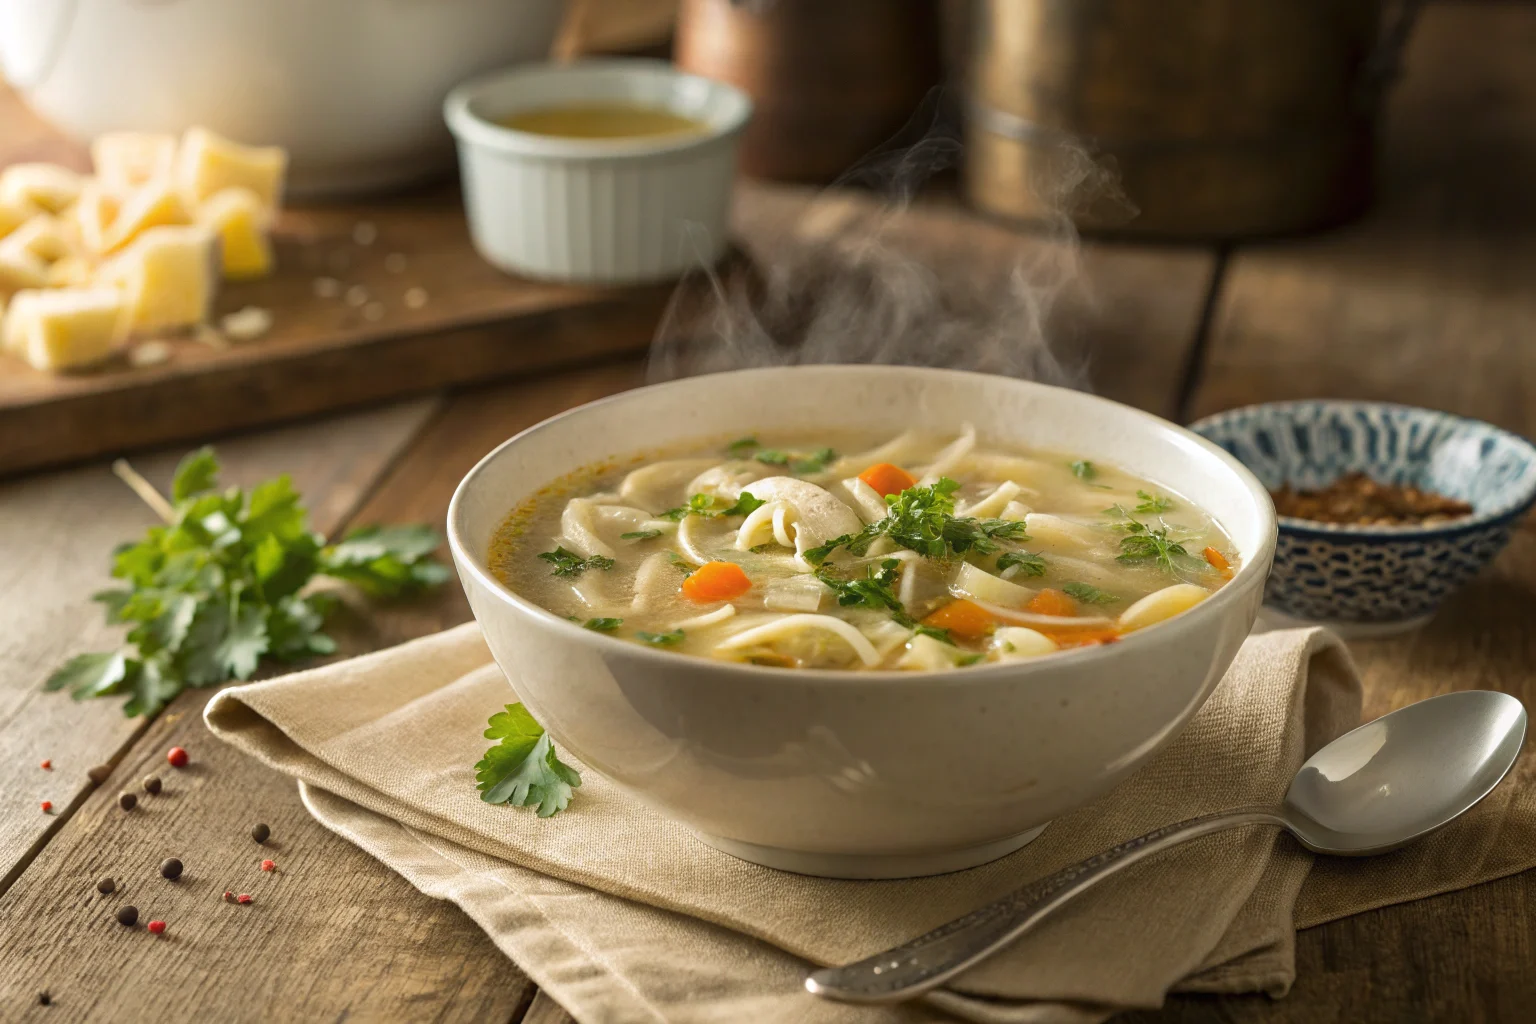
pixel 1219 562
pixel 1082 637
pixel 716 581
pixel 964 619
pixel 1052 602
pixel 888 479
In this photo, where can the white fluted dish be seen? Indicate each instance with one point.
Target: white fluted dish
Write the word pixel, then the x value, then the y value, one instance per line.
pixel 597 211
pixel 863 774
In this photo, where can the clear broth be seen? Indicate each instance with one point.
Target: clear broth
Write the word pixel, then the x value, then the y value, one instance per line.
pixel 602 121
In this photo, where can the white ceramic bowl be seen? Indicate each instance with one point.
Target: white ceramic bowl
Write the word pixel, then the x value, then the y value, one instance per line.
pixel 352 88
pixel 598 211
pixel 863 774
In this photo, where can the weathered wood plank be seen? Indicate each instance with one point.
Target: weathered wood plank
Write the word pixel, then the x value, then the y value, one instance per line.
pixel 1426 301
pixel 57 533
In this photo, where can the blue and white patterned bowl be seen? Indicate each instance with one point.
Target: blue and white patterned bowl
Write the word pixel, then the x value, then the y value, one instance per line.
pixel 1375 578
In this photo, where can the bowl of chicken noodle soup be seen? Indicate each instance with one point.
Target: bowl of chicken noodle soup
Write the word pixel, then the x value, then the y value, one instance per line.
pixel 862 621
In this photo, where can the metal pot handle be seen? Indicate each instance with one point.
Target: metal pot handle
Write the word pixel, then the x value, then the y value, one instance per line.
pixel 1384 64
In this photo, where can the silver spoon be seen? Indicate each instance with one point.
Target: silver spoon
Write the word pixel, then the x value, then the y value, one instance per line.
pixel 1372 790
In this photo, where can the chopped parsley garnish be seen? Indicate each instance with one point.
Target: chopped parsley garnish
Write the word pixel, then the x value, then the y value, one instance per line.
pixel 874 590
pixel 922 519
pixel 522 769
pixel 603 625
pixel 1153 504
pixel 660 639
pixel 968 659
pixel 814 462
pixel 1143 543
pixel 678 562
pixel 1028 564
pixel 709 506
pixel 741 446
pixel 640 535
pixel 568 563
pixel 1084 470
pixel 941 635
pixel 1088 594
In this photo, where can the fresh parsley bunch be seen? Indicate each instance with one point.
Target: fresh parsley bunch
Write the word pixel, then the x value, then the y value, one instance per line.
pixel 218 587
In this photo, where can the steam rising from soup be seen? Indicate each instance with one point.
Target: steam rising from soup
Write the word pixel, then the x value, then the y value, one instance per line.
pixel 857 552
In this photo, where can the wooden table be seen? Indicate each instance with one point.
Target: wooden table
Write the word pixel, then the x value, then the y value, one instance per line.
pixel 1429 300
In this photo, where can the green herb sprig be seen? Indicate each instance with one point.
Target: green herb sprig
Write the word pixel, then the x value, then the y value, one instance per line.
pixel 1087 593
pixel 568 563
pixel 218 587
pixel 709 506
pixel 922 519
pixel 877 589
pixel 522 769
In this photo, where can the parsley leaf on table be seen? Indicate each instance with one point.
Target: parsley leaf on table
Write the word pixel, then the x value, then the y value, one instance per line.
pixel 216 588
pixel 522 769
pixel 568 563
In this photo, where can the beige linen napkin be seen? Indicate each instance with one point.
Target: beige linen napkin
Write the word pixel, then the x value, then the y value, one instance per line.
pixel 622 915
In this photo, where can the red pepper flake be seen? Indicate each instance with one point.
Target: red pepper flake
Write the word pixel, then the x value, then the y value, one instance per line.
pixel 244 897
pixel 229 897
pixel 47 806
pixel 268 865
pixel 47 765
pixel 177 757
pixel 156 927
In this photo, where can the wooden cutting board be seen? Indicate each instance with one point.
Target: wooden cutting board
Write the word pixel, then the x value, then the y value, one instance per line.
pixel 322 353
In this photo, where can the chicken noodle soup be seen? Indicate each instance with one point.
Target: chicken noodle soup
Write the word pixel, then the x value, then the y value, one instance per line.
pixel 853 552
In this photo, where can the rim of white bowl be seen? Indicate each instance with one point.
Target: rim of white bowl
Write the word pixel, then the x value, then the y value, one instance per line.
pixel 505 87
pixel 1355 531
pixel 1246 579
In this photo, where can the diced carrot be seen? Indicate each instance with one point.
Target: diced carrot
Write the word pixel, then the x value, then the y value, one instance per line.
pixel 716 581
pixel 1082 637
pixel 1052 602
pixel 964 619
pixel 1219 562
pixel 888 479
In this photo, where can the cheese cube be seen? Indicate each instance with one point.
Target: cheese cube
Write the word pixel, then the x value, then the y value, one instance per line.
pixel 12 328
pixel 240 219
pixel 91 217
pixel 14 213
pixel 207 164
pixel 46 185
pixel 168 277
pixel 70 272
pixel 155 205
pixel 41 237
pixel 125 161
pixel 20 270
pixel 73 327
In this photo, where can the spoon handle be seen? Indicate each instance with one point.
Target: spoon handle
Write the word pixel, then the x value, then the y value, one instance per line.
pixel 930 960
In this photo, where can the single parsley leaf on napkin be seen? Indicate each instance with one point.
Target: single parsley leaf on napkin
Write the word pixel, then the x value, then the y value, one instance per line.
pixel 217 587
pixel 522 770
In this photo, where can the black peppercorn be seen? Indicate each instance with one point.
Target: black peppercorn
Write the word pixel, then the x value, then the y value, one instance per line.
pixel 105 886
pixel 128 916
pixel 44 999
pixel 152 784
pixel 261 833
pixel 99 773
pixel 127 801
pixel 170 868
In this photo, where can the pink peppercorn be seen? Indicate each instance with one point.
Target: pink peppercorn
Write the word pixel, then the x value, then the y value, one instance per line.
pixel 47 806
pixel 156 927
pixel 177 757
pixel 268 865
pixel 244 897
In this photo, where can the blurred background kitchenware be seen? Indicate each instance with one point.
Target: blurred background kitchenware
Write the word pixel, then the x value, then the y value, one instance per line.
pixel 352 88
pixel 1222 118
pixel 829 81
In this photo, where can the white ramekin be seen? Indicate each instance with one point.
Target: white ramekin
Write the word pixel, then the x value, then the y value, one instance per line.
pixel 597 211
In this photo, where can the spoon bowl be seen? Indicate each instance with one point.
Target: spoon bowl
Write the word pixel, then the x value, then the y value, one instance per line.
pixel 1393 780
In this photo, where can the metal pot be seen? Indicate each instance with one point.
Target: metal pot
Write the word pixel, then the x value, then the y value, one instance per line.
pixel 1220 118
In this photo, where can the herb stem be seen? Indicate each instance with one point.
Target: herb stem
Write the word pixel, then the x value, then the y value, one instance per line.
pixel 144 489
